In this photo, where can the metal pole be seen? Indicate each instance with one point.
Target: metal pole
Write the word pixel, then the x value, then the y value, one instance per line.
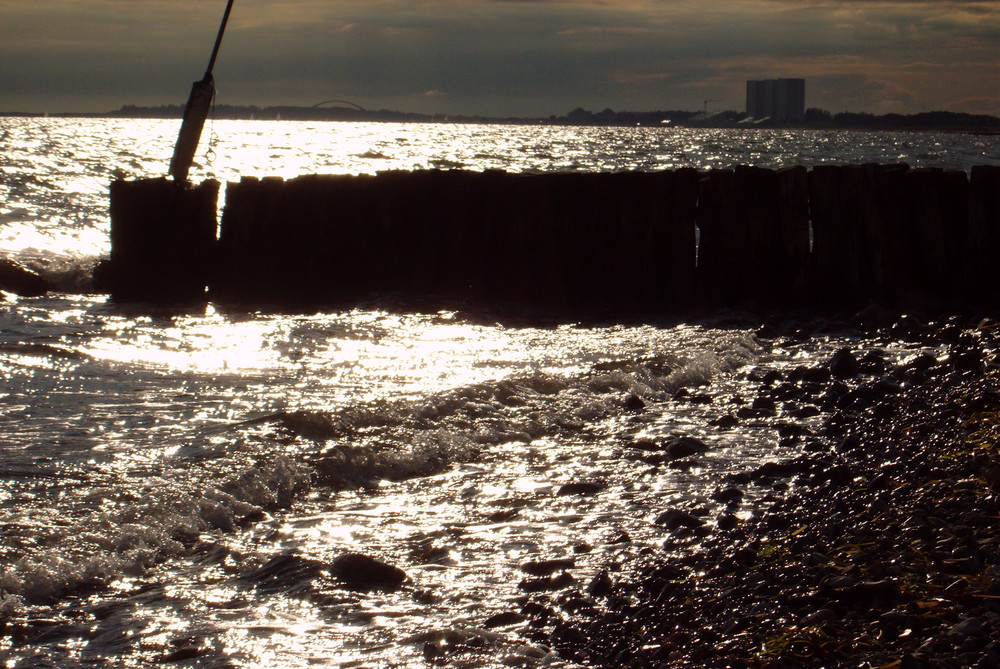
pixel 218 39
pixel 196 111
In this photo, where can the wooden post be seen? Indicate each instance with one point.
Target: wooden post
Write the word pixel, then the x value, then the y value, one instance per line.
pixel 983 250
pixel 761 263
pixel 671 239
pixel 844 226
pixel 162 241
pixel 793 233
pixel 720 241
pixel 937 218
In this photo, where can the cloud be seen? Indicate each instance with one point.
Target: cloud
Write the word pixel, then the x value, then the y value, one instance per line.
pixel 502 56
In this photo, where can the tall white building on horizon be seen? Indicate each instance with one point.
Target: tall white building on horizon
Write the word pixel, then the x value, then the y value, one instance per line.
pixel 778 99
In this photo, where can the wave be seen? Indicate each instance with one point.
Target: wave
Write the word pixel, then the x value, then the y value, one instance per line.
pixel 266 464
pixel 61 273
pixel 146 525
pixel 68 274
pixel 360 446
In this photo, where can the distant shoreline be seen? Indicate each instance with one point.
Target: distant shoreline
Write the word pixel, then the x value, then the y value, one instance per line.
pixel 937 121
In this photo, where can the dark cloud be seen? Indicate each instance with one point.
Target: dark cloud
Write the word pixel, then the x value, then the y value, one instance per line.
pixel 530 57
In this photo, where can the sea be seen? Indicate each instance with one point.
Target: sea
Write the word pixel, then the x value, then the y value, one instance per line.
pixel 176 486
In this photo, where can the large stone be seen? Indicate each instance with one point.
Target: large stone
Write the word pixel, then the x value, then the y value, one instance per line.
pixel 361 572
pixel 18 279
pixel 675 519
pixel 843 364
pixel 584 488
pixel 547 567
pixel 682 447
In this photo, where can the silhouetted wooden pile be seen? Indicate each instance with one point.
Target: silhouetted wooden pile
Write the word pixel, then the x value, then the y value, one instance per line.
pixel 163 241
pixel 827 237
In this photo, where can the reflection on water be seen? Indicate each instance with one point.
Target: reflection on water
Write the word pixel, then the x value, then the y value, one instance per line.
pixel 174 486
pixel 164 434
pixel 53 195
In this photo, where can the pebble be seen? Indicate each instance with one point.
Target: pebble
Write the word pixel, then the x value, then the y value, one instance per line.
pixel 968 627
pixel 879 551
pixel 820 616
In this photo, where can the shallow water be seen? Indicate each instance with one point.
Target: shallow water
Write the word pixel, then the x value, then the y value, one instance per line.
pixel 175 485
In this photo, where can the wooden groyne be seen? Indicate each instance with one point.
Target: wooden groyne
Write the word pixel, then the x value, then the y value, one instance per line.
pixel 832 236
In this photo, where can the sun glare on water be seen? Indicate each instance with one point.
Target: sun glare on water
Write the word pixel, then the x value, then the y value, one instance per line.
pixel 413 353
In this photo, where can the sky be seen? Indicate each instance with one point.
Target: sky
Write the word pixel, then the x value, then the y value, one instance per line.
pixel 502 57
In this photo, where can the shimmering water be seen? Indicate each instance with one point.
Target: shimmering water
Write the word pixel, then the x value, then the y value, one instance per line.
pixel 173 486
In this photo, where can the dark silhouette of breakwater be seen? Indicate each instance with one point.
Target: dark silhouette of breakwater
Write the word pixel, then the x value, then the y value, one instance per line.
pixel 828 237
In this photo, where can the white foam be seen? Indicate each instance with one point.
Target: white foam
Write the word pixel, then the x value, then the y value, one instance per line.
pixel 163 518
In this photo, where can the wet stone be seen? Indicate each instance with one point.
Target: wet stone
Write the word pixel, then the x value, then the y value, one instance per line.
pixel 645 445
pixel 504 619
pixel 968 627
pixel 814 446
pixel 792 430
pixel 286 570
pixel 676 518
pixel 18 279
pixel 872 362
pixel 547 567
pixel 921 361
pixel 503 515
pixel 966 361
pixel 725 422
pixel 682 447
pixel 182 654
pixel 582 488
pixel 782 469
pixel 684 464
pixel 362 572
pixel 601 585
pixel 806 411
pixel 633 403
pixel 184 648
pixel 815 374
pixel 785 391
pixel 727 495
pixel 544 583
pixel 619 537
pixel 843 364
pixel 820 616
pixel 849 443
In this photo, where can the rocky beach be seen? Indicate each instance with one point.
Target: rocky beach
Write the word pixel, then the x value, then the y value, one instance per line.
pixel 875 547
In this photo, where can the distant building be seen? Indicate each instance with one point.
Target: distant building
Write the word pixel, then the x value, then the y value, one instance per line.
pixel 778 99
